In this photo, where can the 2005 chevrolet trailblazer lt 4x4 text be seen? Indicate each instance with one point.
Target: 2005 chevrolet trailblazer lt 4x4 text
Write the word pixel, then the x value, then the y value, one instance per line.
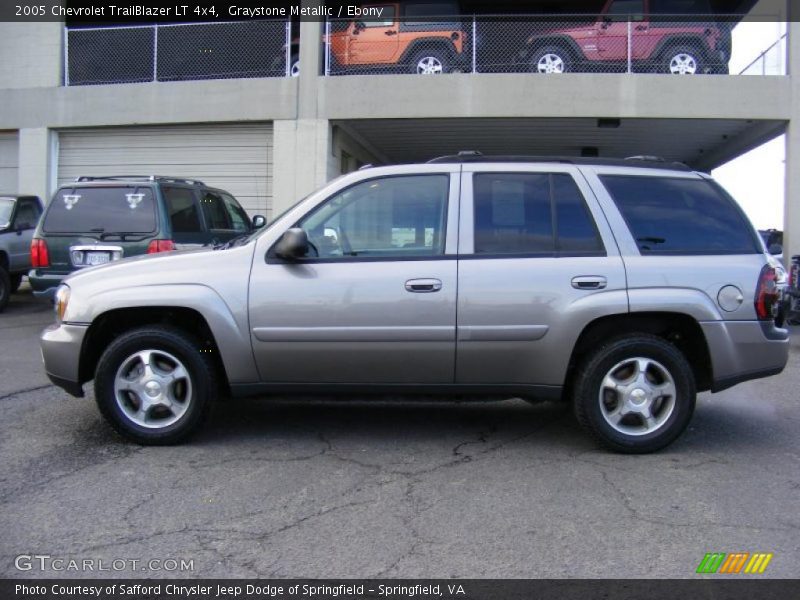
pixel 621 286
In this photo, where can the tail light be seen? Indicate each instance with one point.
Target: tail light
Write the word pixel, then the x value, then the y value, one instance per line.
pixel 768 294
pixel 156 246
pixel 39 255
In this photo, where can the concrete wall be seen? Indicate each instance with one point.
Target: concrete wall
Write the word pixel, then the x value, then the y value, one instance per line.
pixel 31 55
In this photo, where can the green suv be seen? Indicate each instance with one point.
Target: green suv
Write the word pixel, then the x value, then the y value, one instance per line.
pixel 97 220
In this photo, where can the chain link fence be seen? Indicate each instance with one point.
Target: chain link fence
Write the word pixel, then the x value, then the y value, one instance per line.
pixel 177 52
pixel 544 44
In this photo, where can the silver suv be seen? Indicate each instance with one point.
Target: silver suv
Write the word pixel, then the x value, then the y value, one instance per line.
pixel 621 286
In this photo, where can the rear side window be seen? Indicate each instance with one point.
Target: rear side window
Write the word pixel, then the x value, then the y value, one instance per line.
pixel 670 215
pixel 532 213
pixel 184 216
pixel 123 209
pixel 28 213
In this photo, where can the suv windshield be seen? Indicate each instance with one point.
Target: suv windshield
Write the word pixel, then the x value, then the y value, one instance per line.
pixel 6 208
pixel 124 209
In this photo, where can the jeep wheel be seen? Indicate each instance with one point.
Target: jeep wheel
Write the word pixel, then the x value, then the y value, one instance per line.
pixel 154 386
pixel 16 281
pixel 294 66
pixel 430 62
pixel 683 60
pixel 550 60
pixel 635 394
pixel 5 288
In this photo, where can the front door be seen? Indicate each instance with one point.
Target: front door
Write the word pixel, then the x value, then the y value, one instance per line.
pixel 612 35
pixel 375 301
pixel 375 41
pixel 537 263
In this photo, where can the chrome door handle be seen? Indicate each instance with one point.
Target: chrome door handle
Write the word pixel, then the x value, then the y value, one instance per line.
pixel 423 286
pixel 589 282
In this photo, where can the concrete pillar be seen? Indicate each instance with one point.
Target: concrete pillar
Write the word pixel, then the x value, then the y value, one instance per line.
pixel 300 164
pixel 302 147
pixel 36 162
pixel 791 215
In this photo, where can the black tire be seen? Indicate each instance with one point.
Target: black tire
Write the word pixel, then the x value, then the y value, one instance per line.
pixel 5 288
pixel 562 54
pixel 677 53
pixel 201 373
pixel 16 281
pixel 433 55
pixel 589 384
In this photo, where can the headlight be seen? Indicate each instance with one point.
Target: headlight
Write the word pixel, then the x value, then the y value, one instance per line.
pixel 62 299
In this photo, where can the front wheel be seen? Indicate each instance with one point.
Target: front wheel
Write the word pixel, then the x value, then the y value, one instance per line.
pixel 430 62
pixel 154 385
pixel 635 394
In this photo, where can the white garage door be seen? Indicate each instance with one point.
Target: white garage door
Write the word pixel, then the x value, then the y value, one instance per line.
pixel 236 158
pixel 9 148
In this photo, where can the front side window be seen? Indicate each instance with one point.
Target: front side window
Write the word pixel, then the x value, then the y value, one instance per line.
pixel 670 215
pixel 386 18
pixel 102 209
pixel 240 222
pixel 530 214
pixel 389 217
pixel 6 210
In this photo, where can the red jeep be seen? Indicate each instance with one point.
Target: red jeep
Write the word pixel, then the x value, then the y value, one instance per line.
pixel 666 36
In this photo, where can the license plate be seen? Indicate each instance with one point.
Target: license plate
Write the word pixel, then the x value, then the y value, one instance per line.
pixel 97 258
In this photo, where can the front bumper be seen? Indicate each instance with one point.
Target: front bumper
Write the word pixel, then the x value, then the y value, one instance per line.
pixel 61 351
pixel 745 350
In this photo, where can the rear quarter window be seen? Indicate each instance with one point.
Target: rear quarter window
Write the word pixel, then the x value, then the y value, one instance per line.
pixel 672 215
pixel 123 209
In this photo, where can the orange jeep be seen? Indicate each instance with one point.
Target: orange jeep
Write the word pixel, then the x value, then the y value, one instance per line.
pixel 423 38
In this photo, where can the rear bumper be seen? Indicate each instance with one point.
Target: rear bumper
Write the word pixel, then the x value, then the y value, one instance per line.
pixel 44 285
pixel 745 350
pixel 61 350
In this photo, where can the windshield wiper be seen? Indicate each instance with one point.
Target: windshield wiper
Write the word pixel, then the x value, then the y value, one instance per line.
pixel 235 241
pixel 654 240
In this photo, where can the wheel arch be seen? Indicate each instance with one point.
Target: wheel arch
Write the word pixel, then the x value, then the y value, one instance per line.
pixel 693 40
pixel 426 43
pixel 196 309
pixel 566 42
pixel 680 329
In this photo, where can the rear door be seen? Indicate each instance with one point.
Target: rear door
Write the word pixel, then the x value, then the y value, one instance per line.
pixel 537 262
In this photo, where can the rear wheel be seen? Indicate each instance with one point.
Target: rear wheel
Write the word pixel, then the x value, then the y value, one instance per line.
pixel 552 59
pixel 5 288
pixel 433 61
pixel 154 385
pixel 683 60
pixel 635 394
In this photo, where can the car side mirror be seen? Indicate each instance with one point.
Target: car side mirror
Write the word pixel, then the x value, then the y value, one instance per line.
pixel 293 244
pixel 775 249
pixel 259 221
pixel 359 25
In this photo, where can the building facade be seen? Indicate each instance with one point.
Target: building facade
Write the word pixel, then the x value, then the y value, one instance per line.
pixel 272 139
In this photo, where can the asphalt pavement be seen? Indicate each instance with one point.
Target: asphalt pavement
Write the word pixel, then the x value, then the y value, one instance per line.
pixel 364 488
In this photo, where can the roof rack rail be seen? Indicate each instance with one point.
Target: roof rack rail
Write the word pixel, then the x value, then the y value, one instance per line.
pixel 85 178
pixel 651 162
